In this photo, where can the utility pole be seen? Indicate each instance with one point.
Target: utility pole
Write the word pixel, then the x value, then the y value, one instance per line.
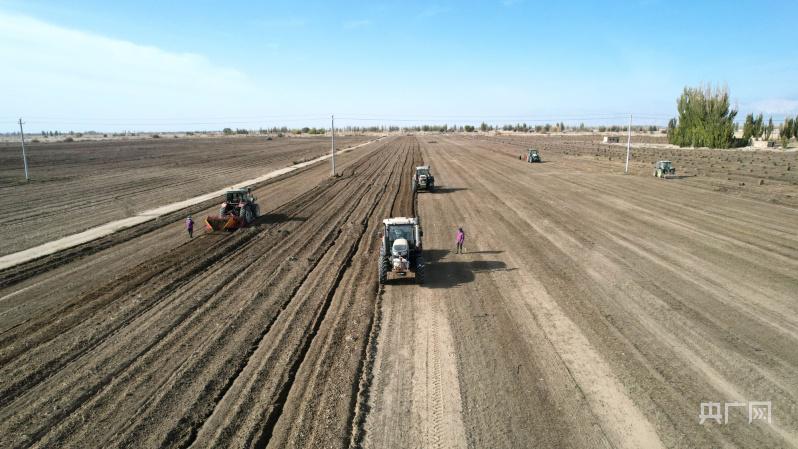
pixel 332 128
pixel 24 157
pixel 628 146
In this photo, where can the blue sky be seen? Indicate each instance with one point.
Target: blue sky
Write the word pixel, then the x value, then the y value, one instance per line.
pixel 205 65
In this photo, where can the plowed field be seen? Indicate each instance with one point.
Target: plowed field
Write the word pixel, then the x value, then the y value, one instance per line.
pixel 583 314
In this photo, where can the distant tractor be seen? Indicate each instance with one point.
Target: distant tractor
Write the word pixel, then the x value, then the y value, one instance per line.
pixel 400 252
pixel 239 210
pixel 532 155
pixel 663 168
pixel 423 179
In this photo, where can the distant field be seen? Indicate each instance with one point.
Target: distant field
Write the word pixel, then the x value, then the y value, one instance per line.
pixel 78 185
pixel 767 175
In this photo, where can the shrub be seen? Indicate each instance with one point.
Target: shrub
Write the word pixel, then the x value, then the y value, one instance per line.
pixel 469 128
pixel 156 136
pixel 227 131
pixel 69 139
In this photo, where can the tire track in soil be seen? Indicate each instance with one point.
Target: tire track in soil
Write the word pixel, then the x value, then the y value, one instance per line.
pixel 248 413
pixel 322 404
pixel 329 206
pixel 404 207
pixel 652 322
pixel 414 398
pixel 151 288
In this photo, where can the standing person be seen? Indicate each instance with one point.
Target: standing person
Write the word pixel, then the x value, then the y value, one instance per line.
pixel 460 240
pixel 190 227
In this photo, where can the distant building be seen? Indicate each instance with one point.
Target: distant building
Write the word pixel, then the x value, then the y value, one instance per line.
pixel 611 139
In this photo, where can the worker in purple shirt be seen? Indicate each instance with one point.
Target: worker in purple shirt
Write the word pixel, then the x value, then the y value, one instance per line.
pixel 460 240
pixel 190 227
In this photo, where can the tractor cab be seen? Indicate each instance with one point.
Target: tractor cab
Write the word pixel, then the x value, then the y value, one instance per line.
pixel 400 252
pixel 423 179
pixel 396 230
pixel 234 199
pixel 237 195
pixel 532 155
pixel 663 168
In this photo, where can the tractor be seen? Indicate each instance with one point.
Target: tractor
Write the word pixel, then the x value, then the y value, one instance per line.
pixel 663 168
pixel 239 210
pixel 532 155
pixel 423 179
pixel 400 252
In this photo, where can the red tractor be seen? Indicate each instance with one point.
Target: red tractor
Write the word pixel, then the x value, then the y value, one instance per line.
pixel 239 210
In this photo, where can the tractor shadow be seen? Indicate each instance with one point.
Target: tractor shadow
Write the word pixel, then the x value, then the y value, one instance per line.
pixel 447 190
pixel 268 219
pixel 449 272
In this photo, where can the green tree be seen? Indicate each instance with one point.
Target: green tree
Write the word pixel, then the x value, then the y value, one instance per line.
pixel 705 119
pixel 483 126
pixel 758 129
pixel 227 131
pixel 672 130
pixel 769 129
pixel 787 129
pixel 748 127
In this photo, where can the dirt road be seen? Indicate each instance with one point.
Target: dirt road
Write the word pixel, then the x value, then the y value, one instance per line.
pixel 582 315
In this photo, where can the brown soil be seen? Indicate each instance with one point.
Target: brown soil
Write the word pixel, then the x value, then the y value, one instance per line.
pixel 582 315
pixel 78 185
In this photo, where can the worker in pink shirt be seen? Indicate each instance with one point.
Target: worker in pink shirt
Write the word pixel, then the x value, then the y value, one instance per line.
pixel 460 240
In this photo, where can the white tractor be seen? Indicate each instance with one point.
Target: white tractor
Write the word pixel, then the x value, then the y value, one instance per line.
pixel 400 252
pixel 423 179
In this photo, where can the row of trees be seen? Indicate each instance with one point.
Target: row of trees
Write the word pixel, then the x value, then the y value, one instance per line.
pixel 706 119
pixel 755 127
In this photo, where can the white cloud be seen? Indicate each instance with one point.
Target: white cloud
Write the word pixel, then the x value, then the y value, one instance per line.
pixel 64 73
pixel 775 106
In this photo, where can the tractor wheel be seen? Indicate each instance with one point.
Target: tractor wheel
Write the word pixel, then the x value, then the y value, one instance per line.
pixel 420 270
pixel 255 211
pixel 383 270
pixel 414 186
pixel 246 213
